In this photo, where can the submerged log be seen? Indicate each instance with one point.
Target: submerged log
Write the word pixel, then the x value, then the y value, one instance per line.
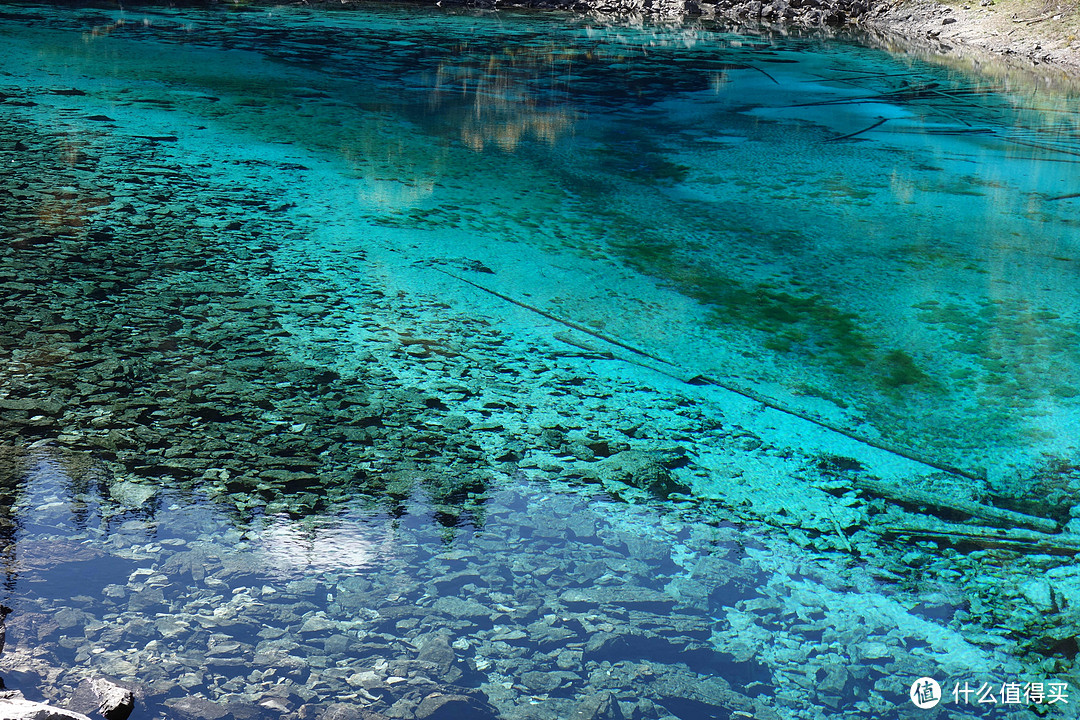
pixel 1023 541
pixel 999 516
pixel 879 123
pixel 666 367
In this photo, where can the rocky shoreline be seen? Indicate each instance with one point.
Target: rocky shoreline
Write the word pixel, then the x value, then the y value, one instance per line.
pixel 930 28
pixel 980 30
pixel 981 33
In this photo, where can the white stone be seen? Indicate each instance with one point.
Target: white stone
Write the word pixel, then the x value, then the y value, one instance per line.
pixel 27 710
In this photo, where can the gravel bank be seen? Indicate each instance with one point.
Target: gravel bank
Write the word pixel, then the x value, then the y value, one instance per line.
pixel 1028 33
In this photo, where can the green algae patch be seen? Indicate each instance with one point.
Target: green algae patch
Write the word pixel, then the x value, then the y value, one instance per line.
pixel 808 326
pixel 901 370
pixel 799 322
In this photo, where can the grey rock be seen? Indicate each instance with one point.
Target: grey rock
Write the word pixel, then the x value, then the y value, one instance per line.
pixel 68 618
pixel 315 624
pixel 549 637
pixel 648 550
pixel 646 709
pixel 103 697
pixel 673 625
pixel 569 660
pixel 690 592
pixel 146 598
pixel 439 706
pixel 245 710
pixel 640 470
pixel 436 649
pixel 1047 640
pixel 599 706
pixel 625 596
pixel 403 709
pixel 337 644
pixel 343 711
pixel 131 494
pixel 728 582
pixel 368 680
pixel 452 582
pixel 462 609
pixel 581 525
pixel 545 682
pixel 916 558
pixel 834 682
pixel 1040 594
pixel 193 562
pixel 196 708
pixel 274 704
pixel 580 451
pixel 4 612
pixel 694 693
pixel 512 637
pixel 227 647
pixel 622 645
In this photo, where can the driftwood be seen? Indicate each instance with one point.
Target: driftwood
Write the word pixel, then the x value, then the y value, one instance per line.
pixel 996 515
pixel 879 123
pixel 589 350
pixel 1040 146
pixel 1032 21
pixel 666 367
pixel 1024 541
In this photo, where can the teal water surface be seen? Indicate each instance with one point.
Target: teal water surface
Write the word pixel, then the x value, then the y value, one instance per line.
pixel 381 357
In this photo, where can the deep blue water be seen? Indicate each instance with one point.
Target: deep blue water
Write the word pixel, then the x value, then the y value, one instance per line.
pixel 696 367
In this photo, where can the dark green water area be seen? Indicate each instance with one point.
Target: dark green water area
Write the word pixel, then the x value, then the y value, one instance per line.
pixel 412 363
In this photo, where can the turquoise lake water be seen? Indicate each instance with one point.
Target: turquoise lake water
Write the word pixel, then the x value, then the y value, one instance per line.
pixel 468 365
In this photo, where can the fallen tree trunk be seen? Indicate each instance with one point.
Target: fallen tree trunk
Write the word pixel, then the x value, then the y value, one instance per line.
pixel 999 516
pixel 1024 541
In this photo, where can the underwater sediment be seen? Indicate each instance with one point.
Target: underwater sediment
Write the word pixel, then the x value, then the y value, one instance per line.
pixel 429 382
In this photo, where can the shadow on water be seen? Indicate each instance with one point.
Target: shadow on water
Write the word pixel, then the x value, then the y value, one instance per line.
pixel 51 500
pixel 126 573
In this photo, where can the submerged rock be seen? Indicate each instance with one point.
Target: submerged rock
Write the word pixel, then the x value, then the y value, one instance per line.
pixel 627 596
pixel 131 494
pixel 638 469
pixel 439 706
pixel 463 609
pixel 347 711
pixel 600 706
pixel 687 694
pixel 4 612
pixel 547 681
pixel 103 697
pixel 196 708
pixel 436 649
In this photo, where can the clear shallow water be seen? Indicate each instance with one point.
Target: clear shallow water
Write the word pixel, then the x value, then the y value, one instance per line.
pixel 822 207
pixel 250 265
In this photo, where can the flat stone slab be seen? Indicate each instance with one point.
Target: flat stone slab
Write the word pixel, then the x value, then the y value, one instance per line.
pixel 626 596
